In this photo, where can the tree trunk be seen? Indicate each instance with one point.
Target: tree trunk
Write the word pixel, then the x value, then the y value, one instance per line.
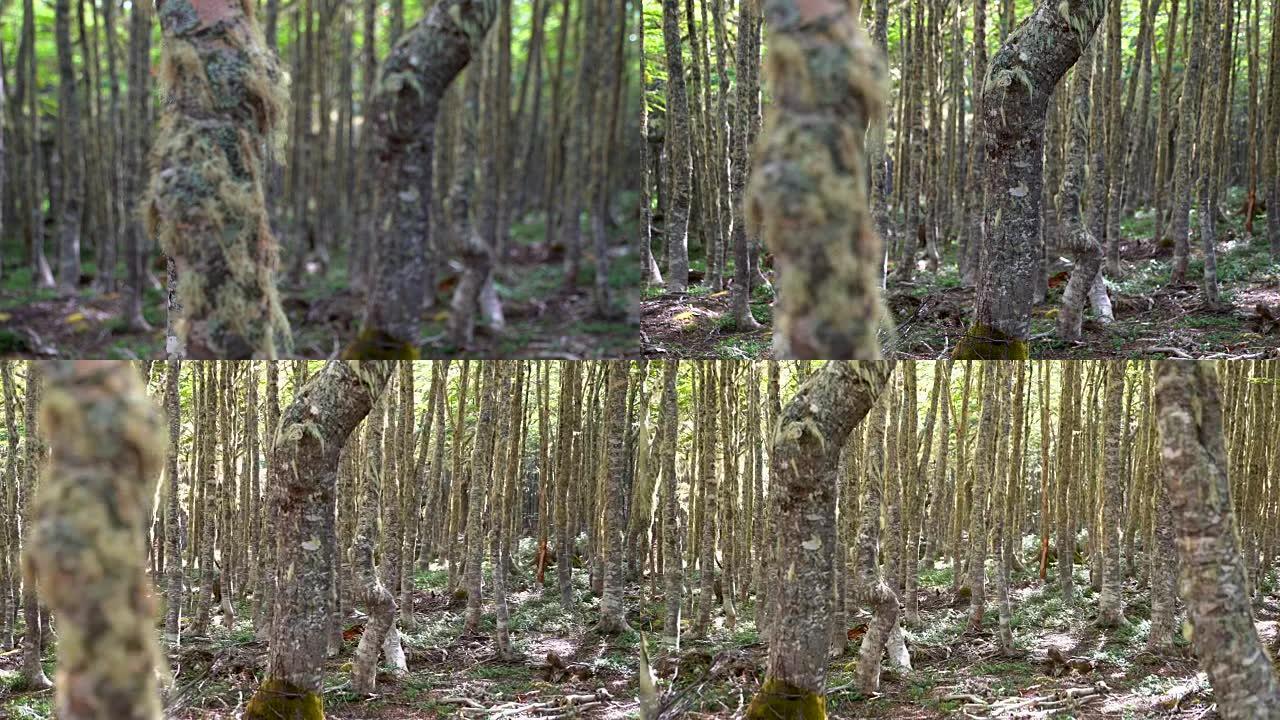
pixel 1214 583
pixel 205 201
pixel 810 434
pixel 89 521
pixel 1015 98
pixel 402 123
pixel 1110 605
pixel 807 196
pixel 302 476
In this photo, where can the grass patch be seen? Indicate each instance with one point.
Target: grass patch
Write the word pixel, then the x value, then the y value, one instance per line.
pixel 937 577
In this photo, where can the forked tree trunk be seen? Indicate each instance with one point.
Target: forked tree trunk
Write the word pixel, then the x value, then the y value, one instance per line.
pixel 1015 98
pixel 809 436
pixel 1214 583
pixel 869 588
pixel 807 196
pixel 88 532
pixel 303 473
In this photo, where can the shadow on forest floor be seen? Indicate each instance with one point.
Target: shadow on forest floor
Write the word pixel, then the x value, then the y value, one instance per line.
pixel 699 324
pixel 932 313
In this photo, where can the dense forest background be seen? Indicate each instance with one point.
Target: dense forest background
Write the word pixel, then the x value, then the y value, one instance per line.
pixel 1159 167
pixel 501 539
pixel 536 143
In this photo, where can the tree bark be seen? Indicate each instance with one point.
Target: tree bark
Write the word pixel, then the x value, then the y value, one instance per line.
pixel 807 196
pixel 402 123
pixel 205 201
pixel 810 434
pixel 89 523
pixel 1015 98
pixel 302 477
pixel 1110 604
pixel 1213 577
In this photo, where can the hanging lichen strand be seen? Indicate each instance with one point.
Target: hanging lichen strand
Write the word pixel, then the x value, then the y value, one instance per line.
pixel 88 530
pixel 807 194
pixel 1015 99
pixel 224 97
pixel 402 123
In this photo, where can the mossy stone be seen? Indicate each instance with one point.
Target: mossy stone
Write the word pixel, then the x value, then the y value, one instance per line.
pixel 986 343
pixel 280 700
pixel 375 344
pixel 780 700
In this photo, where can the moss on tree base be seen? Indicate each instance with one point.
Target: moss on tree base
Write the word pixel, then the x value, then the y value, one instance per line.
pixel 780 700
pixel 374 344
pixel 986 343
pixel 280 700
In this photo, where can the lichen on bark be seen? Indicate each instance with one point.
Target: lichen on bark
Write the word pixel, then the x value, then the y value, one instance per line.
pixel 808 438
pixel 402 120
pixel 89 523
pixel 807 196
pixel 1015 98
pixel 302 477
pixel 224 99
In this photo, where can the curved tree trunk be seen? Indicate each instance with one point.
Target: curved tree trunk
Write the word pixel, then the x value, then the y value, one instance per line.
pixel 869 588
pixel 810 434
pixel 807 196
pixel 1214 585
pixel 302 475
pixel 88 532
pixel 205 201
pixel 1015 99
pixel 378 600
pixel 402 123
pixel 1075 232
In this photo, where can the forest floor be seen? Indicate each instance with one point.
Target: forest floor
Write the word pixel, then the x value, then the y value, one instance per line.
pixel 931 313
pixel 565 670
pixel 543 319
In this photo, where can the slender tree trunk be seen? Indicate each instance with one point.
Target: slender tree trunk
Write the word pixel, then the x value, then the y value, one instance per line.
pixel 679 158
pixel 1110 605
pixel 32 673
